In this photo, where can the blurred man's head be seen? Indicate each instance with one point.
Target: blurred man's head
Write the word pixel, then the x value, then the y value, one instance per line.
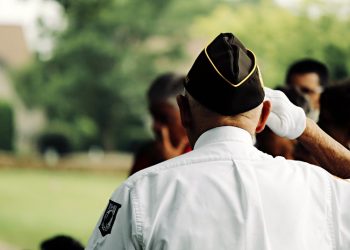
pixel 335 112
pixel 309 77
pixel 223 88
pixel 60 242
pixel 163 107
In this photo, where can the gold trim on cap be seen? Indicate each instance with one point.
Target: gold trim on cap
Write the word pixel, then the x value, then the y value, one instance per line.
pixel 223 77
pixel 260 78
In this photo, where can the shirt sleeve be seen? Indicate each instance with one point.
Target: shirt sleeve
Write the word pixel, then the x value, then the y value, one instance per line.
pixel 118 227
pixel 341 212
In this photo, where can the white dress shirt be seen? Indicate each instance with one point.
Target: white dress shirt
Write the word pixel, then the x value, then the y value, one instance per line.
pixel 226 194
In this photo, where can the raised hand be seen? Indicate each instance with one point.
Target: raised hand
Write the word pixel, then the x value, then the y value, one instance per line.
pixel 285 119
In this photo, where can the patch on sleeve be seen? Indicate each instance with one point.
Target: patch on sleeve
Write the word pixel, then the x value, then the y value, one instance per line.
pixel 109 218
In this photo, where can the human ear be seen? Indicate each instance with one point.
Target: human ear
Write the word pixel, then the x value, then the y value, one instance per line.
pixel 185 111
pixel 266 109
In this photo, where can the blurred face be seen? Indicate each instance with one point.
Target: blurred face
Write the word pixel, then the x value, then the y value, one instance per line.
pixel 166 115
pixel 308 84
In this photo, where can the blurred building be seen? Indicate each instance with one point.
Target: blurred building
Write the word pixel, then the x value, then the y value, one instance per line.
pixel 14 54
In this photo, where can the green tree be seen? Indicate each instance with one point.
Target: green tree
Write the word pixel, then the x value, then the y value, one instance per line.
pixel 336 58
pixel 103 62
pixel 280 36
pixel 109 52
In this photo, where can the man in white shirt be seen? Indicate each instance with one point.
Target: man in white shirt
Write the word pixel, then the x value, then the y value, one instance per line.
pixel 226 194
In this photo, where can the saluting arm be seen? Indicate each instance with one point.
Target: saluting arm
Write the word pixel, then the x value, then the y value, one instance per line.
pixel 288 120
pixel 329 153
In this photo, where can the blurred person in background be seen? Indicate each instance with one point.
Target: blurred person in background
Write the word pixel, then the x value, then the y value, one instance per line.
pixel 335 112
pixel 305 81
pixel 170 136
pixel 309 77
pixel 334 118
pixel 61 242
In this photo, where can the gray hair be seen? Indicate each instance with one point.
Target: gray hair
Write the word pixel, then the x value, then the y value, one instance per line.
pixel 165 88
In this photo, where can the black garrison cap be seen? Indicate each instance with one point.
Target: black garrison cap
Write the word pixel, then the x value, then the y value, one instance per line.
pixel 225 77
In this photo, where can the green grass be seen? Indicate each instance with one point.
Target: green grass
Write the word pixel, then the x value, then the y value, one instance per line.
pixel 37 204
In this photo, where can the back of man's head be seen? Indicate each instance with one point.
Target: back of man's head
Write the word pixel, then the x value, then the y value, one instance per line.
pixel 335 103
pixel 60 242
pixel 165 88
pixel 335 113
pixel 308 66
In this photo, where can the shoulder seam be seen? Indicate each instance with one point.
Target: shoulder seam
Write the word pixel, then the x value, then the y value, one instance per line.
pixel 138 215
pixel 331 214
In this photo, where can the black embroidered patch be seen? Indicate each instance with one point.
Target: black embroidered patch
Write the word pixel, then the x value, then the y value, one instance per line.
pixel 109 217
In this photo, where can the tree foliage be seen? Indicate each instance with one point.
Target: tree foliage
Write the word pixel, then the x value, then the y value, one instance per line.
pixel 280 36
pixel 102 64
pixel 94 83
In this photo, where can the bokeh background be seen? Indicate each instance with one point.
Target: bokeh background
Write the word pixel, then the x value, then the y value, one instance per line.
pixel 73 76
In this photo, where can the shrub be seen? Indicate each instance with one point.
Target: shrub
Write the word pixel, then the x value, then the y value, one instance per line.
pixel 7 130
pixel 56 141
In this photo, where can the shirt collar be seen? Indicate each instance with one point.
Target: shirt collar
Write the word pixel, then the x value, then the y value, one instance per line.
pixel 222 134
